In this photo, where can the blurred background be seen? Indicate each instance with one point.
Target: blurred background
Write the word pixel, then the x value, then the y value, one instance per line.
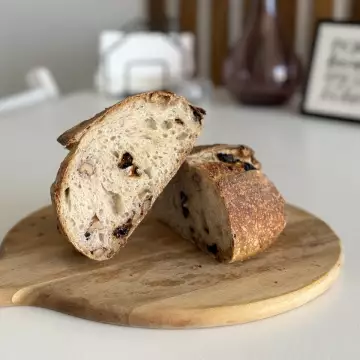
pixel 65 37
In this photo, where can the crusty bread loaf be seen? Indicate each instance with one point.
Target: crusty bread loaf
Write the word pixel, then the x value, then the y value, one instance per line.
pixel 222 202
pixel 118 164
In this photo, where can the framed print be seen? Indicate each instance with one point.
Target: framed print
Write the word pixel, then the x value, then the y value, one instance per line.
pixel 332 87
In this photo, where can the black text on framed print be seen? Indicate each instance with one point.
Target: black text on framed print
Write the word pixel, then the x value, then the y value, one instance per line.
pixel 333 85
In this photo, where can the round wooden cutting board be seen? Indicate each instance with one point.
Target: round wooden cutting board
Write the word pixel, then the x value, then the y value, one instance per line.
pixel 162 281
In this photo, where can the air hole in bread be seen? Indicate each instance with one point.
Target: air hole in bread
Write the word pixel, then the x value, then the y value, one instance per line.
pixel 95 224
pixel 185 212
pixel 179 121
pixel 151 123
pixel 115 200
pixel 99 252
pixel 147 137
pixel 146 205
pixel 67 198
pixel 165 135
pixel 147 171
pixel 213 249
pixel 167 125
pixel 182 136
pixel 117 203
pixel 101 237
pixel 184 204
pixel 86 169
pixel 115 153
pixel 95 221
pixel 113 138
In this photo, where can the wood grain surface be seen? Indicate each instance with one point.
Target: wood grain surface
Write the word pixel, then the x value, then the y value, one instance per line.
pixel 162 281
pixel 322 9
pixel 218 38
pixel 188 15
pixel 286 15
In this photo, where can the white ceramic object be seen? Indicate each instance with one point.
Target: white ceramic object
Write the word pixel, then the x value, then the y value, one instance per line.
pixel 143 61
pixel 42 86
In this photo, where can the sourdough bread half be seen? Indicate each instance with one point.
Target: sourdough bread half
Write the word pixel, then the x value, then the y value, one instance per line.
pixel 222 202
pixel 118 164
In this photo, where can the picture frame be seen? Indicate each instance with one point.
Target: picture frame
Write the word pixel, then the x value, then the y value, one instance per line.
pixel 332 86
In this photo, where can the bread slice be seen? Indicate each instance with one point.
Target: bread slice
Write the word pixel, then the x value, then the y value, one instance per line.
pixel 118 164
pixel 223 203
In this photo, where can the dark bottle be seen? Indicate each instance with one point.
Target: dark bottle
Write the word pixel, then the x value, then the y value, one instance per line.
pixel 260 69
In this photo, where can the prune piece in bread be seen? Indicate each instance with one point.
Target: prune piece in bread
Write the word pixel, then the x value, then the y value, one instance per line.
pixel 248 166
pixel 126 161
pixel 122 230
pixel 198 113
pixel 227 158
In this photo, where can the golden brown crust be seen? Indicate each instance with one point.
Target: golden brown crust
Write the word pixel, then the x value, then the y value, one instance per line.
pixel 199 148
pixel 255 208
pixel 217 170
pixel 55 191
pixel 73 135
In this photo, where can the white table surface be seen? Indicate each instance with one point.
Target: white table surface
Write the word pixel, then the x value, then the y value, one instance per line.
pixel 314 163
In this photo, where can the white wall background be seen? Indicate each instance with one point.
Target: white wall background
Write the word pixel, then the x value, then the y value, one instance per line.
pixel 59 34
